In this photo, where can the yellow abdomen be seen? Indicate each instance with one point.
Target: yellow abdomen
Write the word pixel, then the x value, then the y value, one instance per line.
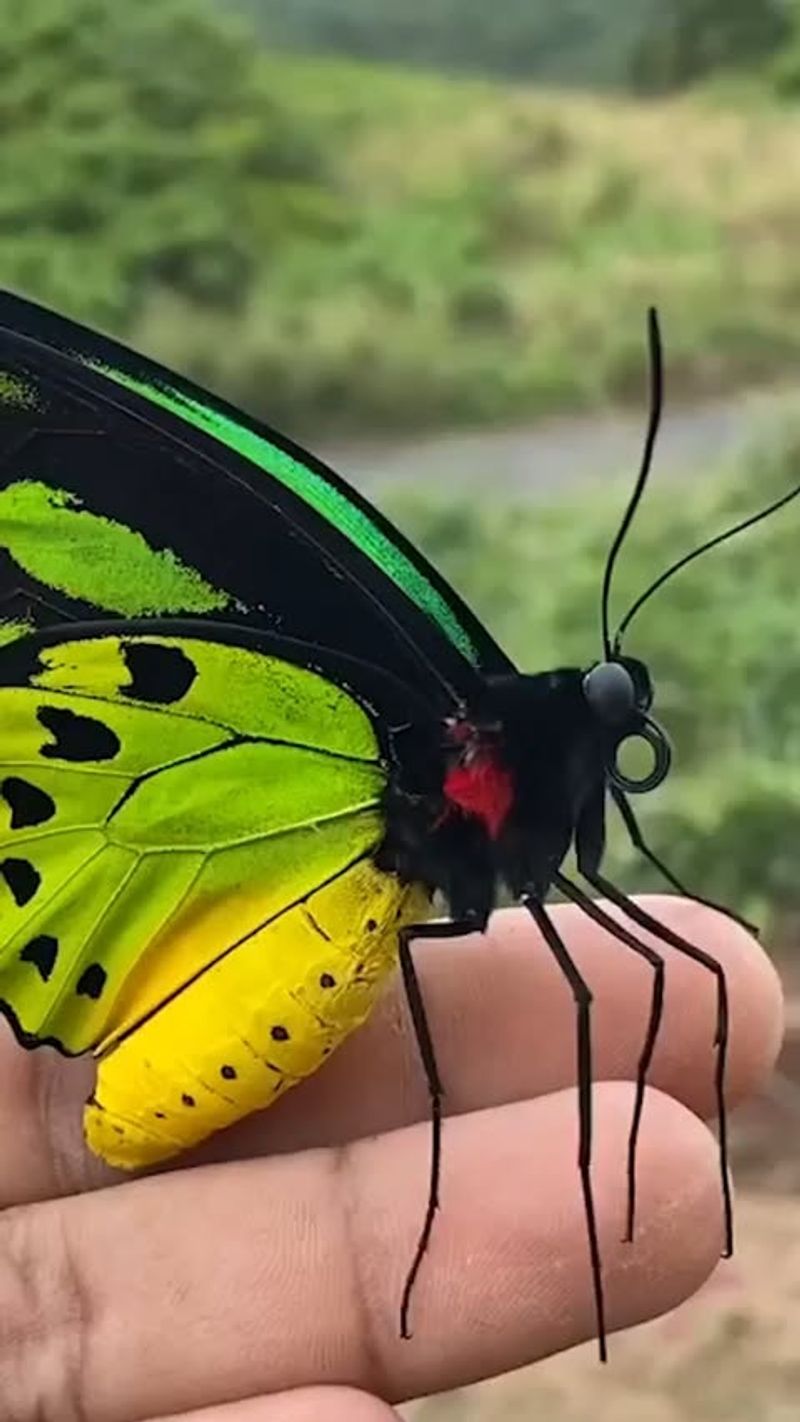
pixel 250 1025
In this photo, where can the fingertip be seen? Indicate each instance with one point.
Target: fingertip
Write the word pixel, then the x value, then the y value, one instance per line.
pixel 507 1277
pixel 679 1231
pixel 755 993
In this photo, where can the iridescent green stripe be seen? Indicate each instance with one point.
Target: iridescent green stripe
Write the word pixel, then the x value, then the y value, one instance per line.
pixel 316 491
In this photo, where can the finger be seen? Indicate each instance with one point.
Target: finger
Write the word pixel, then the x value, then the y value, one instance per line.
pixel 199 1287
pixel 305 1404
pixel 503 1024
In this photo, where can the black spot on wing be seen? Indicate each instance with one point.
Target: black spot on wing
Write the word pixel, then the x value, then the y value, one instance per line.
pixel 22 879
pixel 77 738
pixel 42 952
pixel 28 804
pixel 91 981
pixel 158 674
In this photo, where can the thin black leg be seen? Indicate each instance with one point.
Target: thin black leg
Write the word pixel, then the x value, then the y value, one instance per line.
pixel 422 1033
pixel 639 842
pixel 583 1001
pixel 592 910
pixel 660 930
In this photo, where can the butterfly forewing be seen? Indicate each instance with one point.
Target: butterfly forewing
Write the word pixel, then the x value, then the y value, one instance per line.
pixel 127 492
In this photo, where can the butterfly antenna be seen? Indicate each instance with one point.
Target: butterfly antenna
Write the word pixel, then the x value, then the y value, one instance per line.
pixel 696 553
pixel 654 420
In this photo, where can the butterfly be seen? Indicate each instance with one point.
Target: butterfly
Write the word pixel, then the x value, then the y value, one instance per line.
pixel 247 735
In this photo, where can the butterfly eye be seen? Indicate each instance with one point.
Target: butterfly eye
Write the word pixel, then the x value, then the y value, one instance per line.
pixel 610 691
pixel 651 733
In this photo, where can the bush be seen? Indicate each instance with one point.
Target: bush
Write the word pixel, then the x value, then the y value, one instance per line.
pixel 687 40
pixel 141 153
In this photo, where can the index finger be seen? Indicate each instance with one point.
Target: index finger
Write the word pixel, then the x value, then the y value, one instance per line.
pixel 504 1028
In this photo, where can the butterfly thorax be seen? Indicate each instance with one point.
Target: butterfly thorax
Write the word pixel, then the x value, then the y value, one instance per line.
pixel 516 773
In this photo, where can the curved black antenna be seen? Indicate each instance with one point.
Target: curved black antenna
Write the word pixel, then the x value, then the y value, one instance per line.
pixel 654 420
pixel 696 552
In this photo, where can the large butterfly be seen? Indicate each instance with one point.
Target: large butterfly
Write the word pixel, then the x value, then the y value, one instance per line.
pixel 246 734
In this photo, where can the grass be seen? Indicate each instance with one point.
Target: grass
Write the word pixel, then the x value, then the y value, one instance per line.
pixel 489 253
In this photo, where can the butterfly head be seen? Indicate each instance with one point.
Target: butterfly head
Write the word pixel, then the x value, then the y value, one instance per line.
pixel 619 694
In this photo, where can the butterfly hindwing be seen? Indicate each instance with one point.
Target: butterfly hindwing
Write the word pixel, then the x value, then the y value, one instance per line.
pixel 162 798
pixel 210 651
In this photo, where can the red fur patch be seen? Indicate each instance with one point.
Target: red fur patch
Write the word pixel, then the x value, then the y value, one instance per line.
pixel 482 788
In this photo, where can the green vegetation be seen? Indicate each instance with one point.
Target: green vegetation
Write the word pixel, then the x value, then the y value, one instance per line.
pixel 686 40
pixel 722 641
pixel 489 255
pixel 334 244
pixel 650 44
pixel 141 151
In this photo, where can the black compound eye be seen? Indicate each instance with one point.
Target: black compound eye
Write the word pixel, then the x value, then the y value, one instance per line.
pixel 611 693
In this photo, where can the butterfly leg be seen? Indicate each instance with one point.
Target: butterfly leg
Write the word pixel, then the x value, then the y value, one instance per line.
pixel 642 919
pixel 592 910
pixel 422 1032
pixel 583 1001
pixel 639 842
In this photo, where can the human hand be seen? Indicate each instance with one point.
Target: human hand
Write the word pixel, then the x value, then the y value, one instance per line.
pixel 261 1282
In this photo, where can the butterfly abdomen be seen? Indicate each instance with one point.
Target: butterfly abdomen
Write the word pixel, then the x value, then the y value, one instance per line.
pixel 255 1023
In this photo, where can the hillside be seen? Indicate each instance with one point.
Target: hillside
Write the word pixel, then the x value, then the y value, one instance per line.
pixel 344 245
pixel 498 248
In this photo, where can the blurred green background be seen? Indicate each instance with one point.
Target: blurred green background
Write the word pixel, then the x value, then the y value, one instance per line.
pixel 374 223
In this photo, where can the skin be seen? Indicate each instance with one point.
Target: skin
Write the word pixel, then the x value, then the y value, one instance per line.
pixel 260 1281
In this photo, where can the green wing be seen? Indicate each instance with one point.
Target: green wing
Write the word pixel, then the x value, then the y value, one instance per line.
pixel 163 787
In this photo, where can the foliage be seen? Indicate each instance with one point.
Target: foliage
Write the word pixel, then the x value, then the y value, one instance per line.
pixel 337 244
pixel 687 40
pixel 722 641
pixel 140 152
pixel 784 72
pixel 572 41
pixel 652 45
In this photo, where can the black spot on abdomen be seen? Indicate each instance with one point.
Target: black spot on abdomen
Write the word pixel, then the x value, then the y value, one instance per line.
pixel 42 952
pixel 91 981
pixel 22 879
pixel 28 804
pixel 158 674
pixel 76 738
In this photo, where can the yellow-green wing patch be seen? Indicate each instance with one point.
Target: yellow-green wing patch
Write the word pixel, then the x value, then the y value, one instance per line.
pixel 163 789
pixel 50 535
